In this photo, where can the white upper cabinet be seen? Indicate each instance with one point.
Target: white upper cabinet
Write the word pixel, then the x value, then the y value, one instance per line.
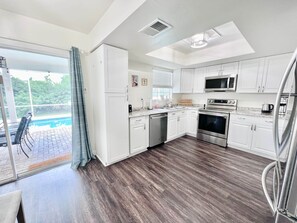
pixel 275 67
pixel 186 80
pixel 229 68
pixel 263 75
pixel 116 69
pixel 213 70
pixel 199 80
pixel 176 81
pixel 250 76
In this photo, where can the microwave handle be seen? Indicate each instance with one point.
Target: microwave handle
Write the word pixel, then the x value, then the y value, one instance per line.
pixel 228 83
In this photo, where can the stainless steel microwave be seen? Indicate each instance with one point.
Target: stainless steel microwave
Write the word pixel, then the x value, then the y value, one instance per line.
pixel 220 83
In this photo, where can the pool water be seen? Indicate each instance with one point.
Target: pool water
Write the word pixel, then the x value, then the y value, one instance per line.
pixel 52 122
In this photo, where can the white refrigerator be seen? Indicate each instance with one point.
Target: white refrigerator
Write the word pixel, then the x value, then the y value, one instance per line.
pixel 282 199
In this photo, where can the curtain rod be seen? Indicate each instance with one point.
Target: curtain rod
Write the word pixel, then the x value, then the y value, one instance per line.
pixel 37 44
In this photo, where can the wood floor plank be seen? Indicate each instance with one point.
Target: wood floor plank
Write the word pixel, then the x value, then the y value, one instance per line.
pixel 184 180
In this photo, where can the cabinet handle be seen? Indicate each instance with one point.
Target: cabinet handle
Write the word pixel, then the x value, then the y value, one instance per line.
pixel 252 127
pixel 144 126
pixel 269 121
pixel 259 89
pixel 241 118
pixel 255 128
pixel 263 89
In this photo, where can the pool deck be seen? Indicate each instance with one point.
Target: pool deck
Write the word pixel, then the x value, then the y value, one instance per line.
pixel 51 147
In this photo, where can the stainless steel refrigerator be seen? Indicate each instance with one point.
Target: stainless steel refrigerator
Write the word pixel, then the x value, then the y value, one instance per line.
pixel 282 199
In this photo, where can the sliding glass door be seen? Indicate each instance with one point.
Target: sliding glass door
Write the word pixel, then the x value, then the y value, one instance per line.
pixel 7 164
pixel 37 92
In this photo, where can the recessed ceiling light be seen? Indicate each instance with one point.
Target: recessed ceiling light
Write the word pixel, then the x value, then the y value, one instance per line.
pixel 201 40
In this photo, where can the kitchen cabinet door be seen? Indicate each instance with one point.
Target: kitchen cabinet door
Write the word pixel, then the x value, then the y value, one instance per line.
pixel 275 68
pixel 116 70
pixel 176 81
pixel 117 127
pixel 138 137
pixel 250 76
pixel 213 70
pixel 192 124
pixel 182 125
pixel 199 80
pixel 186 80
pixel 263 140
pixel 240 135
pixel 172 128
pixel 230 68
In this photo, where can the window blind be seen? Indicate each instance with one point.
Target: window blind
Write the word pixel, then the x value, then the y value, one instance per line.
pixel 162 79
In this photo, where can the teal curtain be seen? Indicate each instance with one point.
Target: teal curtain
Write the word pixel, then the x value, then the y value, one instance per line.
pixel 81 149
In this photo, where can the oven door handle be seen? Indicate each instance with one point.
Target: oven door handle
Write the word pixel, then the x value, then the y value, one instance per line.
pixel 215 114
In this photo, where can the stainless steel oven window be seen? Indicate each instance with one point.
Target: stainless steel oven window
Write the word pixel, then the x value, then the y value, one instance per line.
pixel 215 124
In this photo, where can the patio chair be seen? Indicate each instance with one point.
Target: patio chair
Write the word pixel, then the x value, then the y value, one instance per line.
pixel 18 137
pixel 27 134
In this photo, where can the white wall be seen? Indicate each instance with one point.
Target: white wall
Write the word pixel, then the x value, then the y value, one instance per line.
pixel 22 28
pixel 136 93
pixel 244 100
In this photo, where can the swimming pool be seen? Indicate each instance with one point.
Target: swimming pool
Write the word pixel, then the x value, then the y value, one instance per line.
pixel 52 122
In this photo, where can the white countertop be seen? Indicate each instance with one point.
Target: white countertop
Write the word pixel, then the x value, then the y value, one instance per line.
pixel 256 112
pixel 160 110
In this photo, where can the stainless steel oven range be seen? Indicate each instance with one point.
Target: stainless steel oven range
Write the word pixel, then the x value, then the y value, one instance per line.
pixel 213 121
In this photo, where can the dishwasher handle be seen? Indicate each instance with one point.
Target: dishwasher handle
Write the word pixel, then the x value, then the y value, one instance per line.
pixel 158 116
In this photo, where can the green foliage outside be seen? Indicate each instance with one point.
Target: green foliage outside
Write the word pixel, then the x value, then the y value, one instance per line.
pixel 43 92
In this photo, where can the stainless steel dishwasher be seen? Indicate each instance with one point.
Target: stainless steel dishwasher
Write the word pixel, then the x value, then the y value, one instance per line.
pixel 158 129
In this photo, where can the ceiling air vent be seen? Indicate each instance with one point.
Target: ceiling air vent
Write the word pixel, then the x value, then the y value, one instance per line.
pixel 155 28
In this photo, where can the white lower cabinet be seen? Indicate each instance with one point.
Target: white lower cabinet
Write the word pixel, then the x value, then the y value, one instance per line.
pixel 252 134
pixel 181 123
pixel 192 122
pixel 240 132
pixel 139 134
pixel 263 142
pixel 176 125
pixel 172 129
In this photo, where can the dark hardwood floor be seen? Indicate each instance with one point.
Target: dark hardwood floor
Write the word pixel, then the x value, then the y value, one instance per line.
pixel 184 180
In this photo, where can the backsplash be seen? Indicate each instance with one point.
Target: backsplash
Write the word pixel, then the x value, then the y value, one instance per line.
pixel 244 100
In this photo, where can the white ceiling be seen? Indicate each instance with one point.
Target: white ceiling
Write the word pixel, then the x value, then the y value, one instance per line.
pixel 78 15
pixel 22 60
pixel 267 25
pixel 230 44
